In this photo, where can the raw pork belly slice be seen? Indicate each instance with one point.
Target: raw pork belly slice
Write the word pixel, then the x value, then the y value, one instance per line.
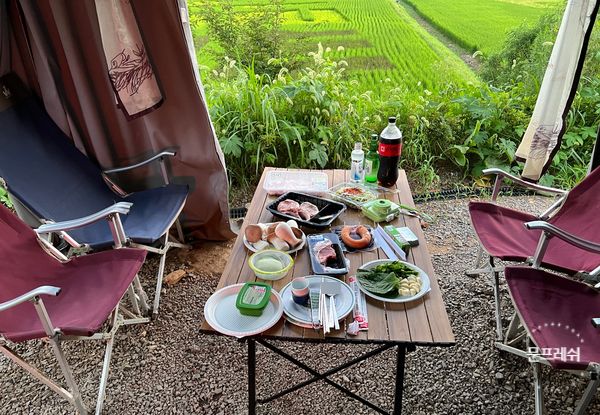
pixel 289 207
pixel 325 252
pixel 307 210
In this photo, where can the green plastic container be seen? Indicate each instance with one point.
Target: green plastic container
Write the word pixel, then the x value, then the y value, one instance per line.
pixel 253 298
pixel 380 210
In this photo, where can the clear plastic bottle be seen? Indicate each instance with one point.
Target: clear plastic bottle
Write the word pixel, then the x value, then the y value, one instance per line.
pixel 357 162
pixel 390 147
pixel 372 160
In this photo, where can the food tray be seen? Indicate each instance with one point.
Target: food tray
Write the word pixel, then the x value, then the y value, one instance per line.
pixel 371 247
pixel 371 193
pixel 339 268
pixel 335 209
pixel 278 182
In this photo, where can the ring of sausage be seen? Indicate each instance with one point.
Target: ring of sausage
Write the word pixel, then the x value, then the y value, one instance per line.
pixel 349 241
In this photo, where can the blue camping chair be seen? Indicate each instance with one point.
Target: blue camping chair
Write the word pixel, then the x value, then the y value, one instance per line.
pixel 66 191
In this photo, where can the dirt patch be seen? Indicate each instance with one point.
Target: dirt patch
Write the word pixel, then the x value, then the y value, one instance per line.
pixel 207 257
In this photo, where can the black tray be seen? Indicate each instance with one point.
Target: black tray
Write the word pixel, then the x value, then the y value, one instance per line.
pixel 340 267
pixel 334 208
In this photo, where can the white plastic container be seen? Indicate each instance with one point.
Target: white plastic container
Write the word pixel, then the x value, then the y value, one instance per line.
pixel 357 171
pixel 279 182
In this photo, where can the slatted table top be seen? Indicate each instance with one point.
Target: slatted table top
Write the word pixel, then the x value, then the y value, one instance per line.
pixel 422 322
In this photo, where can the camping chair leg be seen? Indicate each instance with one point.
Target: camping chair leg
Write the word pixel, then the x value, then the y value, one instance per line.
pixel 159 279
pixel 142 295
pixel 514 332
pixel 588 395
pixel 538 389
pixel 497 305
pixel 33 371
pixel 476 270
pixel 53 337
pixel 106 364
pixel 479 256
pixel 179 231
pixel 134 300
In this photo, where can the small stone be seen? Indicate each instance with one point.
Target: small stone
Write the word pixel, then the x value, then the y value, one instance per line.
pixel 174 277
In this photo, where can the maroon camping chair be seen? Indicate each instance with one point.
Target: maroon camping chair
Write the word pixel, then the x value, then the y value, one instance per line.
pixel 560 316
pixel 42 297
pixel 558 239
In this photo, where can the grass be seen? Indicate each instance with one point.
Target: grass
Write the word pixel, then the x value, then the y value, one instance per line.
pixel 481 24
pixel 382 43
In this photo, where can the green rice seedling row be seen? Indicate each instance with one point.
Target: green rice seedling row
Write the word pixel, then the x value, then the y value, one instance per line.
pixel 481 24
pixel 382 44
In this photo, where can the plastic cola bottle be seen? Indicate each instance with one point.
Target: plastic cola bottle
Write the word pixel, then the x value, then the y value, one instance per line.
pixel 390 147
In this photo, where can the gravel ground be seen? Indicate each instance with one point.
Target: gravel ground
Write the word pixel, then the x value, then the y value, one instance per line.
pixel 169 367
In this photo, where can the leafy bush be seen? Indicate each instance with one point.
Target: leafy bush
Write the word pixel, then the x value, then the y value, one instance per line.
pixel 251 37
pixel 312 118
pixel 4 199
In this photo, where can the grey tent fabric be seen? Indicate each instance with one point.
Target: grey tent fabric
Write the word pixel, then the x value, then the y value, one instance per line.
pixel 63 51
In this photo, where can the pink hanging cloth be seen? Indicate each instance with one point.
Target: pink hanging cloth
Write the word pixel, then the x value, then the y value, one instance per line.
pixel 129 68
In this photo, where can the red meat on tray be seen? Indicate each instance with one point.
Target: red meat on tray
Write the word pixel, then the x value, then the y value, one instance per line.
pixel 289 207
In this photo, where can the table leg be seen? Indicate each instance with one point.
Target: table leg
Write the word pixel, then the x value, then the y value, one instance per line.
pixel 251 377
pixel 400 357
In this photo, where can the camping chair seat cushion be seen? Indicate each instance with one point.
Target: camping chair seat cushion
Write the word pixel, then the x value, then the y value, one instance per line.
pixel 152 214
pixel 557 313
pixel 91 285
pixel 503 235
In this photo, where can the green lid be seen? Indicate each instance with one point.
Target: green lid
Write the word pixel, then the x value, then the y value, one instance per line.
pixel 253 298
pixel 380 210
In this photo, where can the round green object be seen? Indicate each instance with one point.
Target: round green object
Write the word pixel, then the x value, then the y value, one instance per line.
pixel 268 264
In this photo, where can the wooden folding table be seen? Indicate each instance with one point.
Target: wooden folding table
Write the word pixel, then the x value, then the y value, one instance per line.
pixel 423 322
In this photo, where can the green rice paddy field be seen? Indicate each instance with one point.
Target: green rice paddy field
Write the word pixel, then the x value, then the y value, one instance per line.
pixel 383 44
pixel 481 24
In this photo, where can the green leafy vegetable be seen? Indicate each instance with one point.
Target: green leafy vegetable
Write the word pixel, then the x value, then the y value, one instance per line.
pixel 385 279
pixel 379 283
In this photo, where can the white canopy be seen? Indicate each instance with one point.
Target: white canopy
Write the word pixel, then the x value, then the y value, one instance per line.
pixel 542 137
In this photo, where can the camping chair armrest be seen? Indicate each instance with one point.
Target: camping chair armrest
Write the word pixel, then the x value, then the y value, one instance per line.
pixel 36 292
pixel 118 208
pixel 501 174
pixel 159 156
pixel 549 231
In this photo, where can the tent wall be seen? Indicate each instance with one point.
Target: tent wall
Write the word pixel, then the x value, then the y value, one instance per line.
pixel 57 50
pixel 543 136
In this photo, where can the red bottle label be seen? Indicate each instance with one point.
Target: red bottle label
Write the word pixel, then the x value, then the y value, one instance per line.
pixel 390 150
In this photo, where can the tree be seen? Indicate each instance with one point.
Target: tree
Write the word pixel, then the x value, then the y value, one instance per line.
pixel 250 36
